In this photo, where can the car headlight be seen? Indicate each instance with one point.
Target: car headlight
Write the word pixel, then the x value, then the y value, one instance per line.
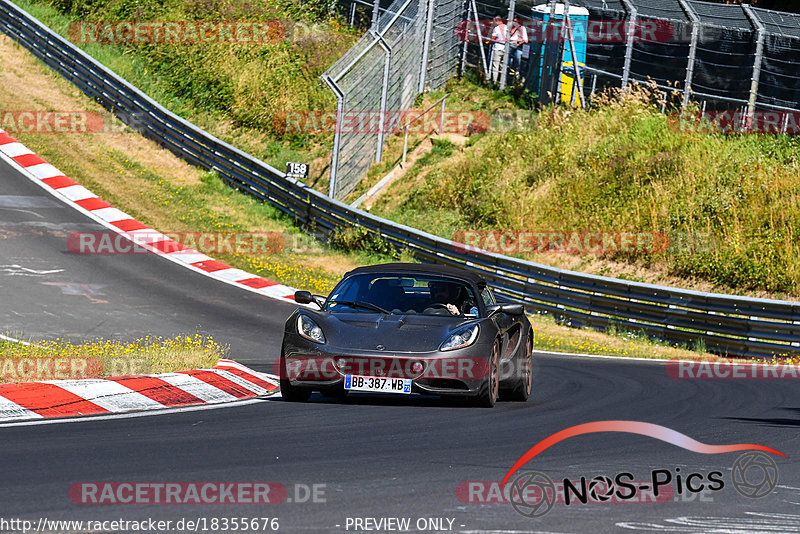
pixel 462 338
pixel 307 328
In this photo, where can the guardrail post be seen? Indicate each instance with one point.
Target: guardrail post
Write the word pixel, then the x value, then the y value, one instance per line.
pixel 756 78
pixel 504 67
pixel 687 84
pixel 631 36
pixel 384 95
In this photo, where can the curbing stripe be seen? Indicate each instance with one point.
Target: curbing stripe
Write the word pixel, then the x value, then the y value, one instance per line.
pixel 158 390
pixel 48 400
pixel 108 394
pixel 219 382
pixel 13 150
pixel 65 398
pixel 11 410
pixel 194 386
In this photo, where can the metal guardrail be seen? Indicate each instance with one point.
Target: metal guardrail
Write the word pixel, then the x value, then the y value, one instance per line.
pixel 726 324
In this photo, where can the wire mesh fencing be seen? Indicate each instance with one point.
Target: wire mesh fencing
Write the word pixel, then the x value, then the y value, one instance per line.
pixel 728 57
pixel 411 46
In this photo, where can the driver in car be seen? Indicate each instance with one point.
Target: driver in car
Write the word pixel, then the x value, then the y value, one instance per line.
pixel 447 294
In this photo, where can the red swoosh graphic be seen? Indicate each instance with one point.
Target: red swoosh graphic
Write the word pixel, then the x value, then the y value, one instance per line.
pixel 633 427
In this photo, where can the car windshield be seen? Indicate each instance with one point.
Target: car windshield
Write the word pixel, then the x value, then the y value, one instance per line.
pixel 403 294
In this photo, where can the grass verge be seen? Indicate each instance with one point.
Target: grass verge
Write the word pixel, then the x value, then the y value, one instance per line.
pixel 48 360
pixel 729 204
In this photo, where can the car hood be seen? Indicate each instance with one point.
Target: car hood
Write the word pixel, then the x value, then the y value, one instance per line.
pixel 396 333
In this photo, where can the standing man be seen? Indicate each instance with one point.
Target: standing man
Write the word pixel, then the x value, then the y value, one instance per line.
pixel 518 39
pixel 498 38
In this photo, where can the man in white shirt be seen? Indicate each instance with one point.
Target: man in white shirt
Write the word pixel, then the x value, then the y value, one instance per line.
pixel 499 38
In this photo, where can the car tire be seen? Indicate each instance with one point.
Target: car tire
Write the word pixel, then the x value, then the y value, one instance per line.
pixel 491 390
pixel 288 391
pixel 523 388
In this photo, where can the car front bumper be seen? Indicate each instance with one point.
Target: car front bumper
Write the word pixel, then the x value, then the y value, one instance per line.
pixel 314 366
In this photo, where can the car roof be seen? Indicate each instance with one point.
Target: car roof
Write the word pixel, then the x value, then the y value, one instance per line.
pixel 421 268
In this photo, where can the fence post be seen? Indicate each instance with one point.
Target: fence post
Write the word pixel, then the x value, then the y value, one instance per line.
pixel 384 94
pixel 376 11
pixel 631 35
pixel 426 45
pixel 441 117
pixel 504 66
pixel 468 22
pixel 337 133
pixel 577 80
pixel 687 85
pixel 550 80
pixel 751 104
pixel 480 33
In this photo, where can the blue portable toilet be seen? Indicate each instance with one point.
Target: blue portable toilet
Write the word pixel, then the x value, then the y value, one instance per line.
pixel 540 15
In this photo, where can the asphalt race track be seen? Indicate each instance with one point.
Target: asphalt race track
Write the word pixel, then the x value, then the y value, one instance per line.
pixel 370 457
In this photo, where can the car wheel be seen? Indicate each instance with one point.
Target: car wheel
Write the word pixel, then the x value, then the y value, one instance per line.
pixel 524 386
pixel 490 391
pixel 288 391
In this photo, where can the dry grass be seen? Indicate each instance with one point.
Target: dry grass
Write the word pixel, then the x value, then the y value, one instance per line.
pixel 49 360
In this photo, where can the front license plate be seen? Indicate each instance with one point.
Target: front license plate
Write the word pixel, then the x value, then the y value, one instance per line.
pixel 377 383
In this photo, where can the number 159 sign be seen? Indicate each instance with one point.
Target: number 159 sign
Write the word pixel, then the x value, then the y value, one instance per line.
pixel 296 170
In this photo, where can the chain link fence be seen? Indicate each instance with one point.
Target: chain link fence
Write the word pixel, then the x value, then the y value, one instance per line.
pixel 725 56
pixel 411 46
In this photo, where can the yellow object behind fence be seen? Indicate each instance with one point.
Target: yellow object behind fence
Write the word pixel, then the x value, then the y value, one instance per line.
pixel 567 82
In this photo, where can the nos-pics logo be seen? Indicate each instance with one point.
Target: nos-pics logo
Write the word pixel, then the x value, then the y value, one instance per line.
pixel 533 494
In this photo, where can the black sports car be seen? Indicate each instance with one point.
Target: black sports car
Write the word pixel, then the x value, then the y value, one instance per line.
pixel 408 328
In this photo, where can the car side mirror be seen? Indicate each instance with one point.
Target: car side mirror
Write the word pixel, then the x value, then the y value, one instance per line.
pixel 513 309
pixel 510 309
pixel 305 297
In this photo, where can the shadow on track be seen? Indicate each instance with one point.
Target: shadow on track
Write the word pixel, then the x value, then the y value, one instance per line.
pixel 771 421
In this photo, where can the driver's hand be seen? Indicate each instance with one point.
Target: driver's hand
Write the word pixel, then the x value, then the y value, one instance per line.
pixel 452 309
